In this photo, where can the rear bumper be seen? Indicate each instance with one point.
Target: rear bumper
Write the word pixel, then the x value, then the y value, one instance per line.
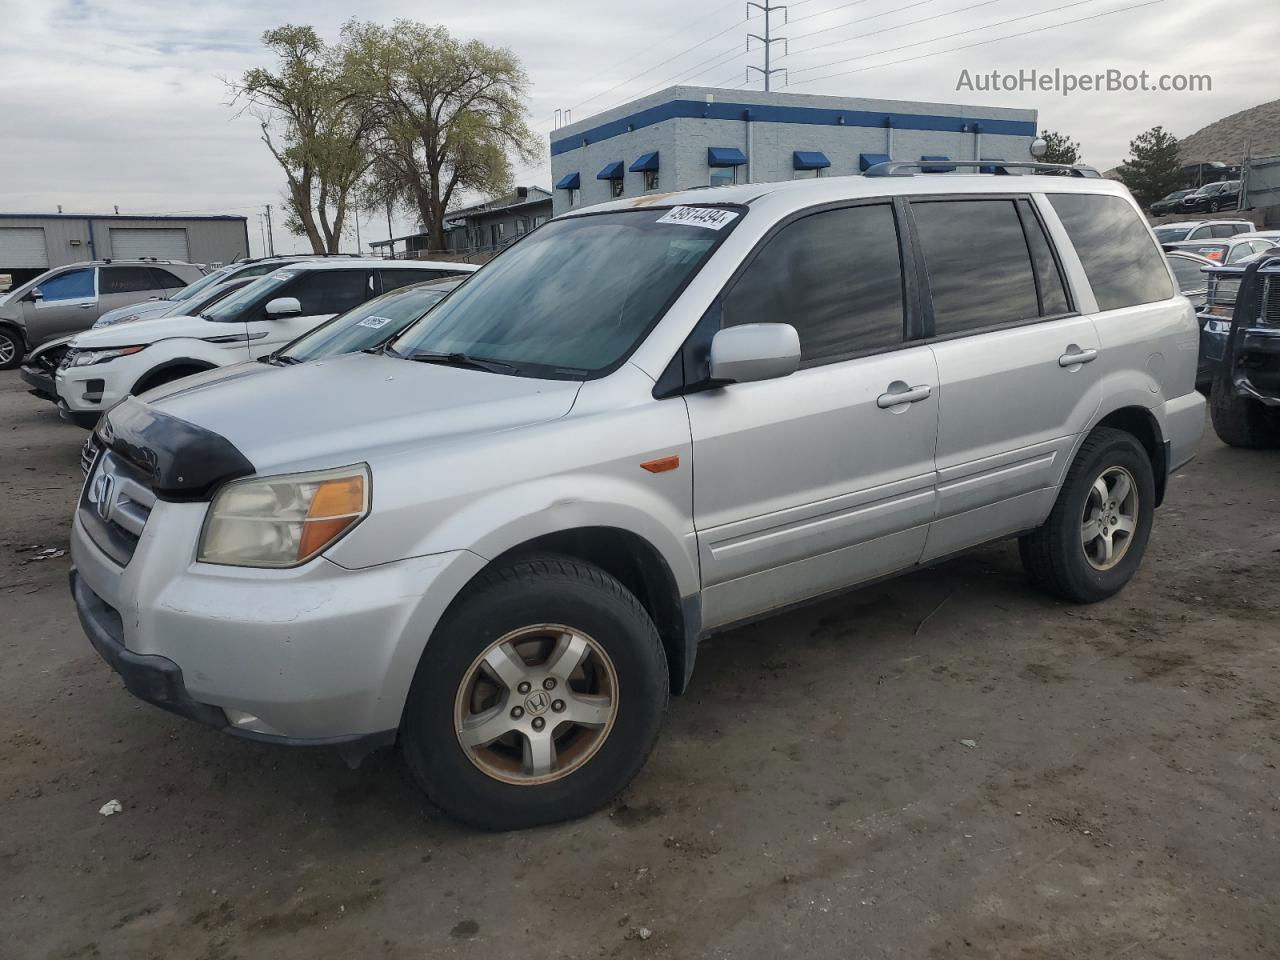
pixel 1182 422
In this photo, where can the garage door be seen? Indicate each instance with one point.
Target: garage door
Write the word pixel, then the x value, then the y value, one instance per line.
pixel 22 247
pixel 130 243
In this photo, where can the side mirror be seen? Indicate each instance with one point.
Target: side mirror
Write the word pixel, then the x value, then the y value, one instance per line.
pixel 284 307
pixel 33 295
pixel 755 351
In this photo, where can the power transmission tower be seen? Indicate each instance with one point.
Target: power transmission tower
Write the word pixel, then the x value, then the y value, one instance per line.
pixel 768 40
pixel 271 238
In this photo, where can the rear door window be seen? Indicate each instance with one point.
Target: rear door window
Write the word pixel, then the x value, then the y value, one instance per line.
pixel 978 263
pixel 1120 257
pixel 329 291
pixel 395 279
pixel 1223 230
pixel 126 280
pixel 836 276
pixel 166 280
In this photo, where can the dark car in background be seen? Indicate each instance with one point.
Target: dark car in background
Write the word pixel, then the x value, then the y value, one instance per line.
pixel 1212 197
pixel 1242 336
pixel 1170 204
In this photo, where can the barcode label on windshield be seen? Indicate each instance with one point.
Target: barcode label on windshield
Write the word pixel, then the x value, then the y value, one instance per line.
pixel 708 217
pixel 374 322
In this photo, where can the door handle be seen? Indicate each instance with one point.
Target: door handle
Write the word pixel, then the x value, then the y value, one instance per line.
pixel 899 394
pixel 87 306
pixel 1075 356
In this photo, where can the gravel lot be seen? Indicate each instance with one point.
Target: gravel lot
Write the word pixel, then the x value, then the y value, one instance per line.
pixel 812 795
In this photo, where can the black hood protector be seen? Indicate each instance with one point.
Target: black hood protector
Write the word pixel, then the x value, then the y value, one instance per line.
pixel 183 460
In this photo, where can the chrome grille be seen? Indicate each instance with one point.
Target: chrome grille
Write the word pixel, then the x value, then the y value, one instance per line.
pixel 1269 312
pixel 88 453
pixel 115 505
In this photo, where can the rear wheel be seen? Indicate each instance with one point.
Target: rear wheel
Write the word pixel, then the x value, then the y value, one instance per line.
pixel 10 348
pixel 1095 537
pixel 1214 206
pixel 538 698
pixel 1241 421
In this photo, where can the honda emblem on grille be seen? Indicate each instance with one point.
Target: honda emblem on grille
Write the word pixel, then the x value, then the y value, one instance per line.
pixel 103 494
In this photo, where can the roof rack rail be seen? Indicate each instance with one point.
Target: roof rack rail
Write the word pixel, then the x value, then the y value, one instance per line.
pixel 909 168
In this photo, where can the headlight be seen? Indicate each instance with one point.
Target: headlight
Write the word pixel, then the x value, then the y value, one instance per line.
pixel 87 358
pixel 283 521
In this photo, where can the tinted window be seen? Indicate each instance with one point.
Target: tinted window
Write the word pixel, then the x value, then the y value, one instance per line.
pixel 125 280
pixel 978 264
pixel 1053 292
pixel 1223 230
pixel 328 291
pixel 393 279
pixel 1241 228
pixel 1122 262
pixel 835 276
pixel 247 302
pixel 1200 233
pixel 166 279
pixel 72 285
pixel 1188 274
pixel 1171 234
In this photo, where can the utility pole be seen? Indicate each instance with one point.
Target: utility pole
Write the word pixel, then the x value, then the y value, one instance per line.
pixel 768 40
pixel 359 247
pixel 271 240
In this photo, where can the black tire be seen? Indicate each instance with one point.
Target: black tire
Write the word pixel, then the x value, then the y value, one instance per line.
pixel 12 349
pixel 1053 555
pixel 544 589
pixel 1242 422
pixel 1214 206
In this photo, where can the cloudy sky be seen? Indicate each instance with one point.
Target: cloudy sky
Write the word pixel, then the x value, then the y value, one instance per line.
pixel 108 103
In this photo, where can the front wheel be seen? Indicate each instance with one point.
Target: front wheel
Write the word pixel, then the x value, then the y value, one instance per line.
pixel 538 698
pixel 10 349
pixel 1094 539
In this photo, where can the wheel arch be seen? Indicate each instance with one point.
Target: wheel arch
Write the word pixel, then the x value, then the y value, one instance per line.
pixel 148 379
pixel 640 567
pixel 1142 425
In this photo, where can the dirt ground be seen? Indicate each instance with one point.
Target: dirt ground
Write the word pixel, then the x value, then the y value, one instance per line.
pixel 811 796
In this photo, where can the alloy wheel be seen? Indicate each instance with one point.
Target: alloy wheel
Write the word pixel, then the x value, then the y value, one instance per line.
pixel 536 704
pixel 1110 518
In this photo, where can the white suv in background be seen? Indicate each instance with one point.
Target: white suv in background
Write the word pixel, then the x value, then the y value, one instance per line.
pixel 104 366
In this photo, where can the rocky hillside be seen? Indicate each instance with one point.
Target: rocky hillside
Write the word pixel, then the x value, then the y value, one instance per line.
pixel 1256 130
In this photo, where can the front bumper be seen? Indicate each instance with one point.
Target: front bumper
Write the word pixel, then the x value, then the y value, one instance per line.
pixel 40 381
pixel 317 655
pixel 1214 334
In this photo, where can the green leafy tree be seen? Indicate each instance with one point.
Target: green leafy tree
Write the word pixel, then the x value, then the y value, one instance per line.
pixel 447 116
pixel 312 123
pixel 1153 169
pixel 1062 149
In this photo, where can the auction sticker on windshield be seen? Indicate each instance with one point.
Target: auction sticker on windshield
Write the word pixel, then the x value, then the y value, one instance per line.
pixel 375 322
pixel 708 217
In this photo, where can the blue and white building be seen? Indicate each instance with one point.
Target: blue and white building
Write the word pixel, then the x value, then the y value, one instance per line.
pixel 686 137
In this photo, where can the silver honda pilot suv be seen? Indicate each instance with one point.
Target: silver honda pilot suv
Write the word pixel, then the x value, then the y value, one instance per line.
pixel 498 542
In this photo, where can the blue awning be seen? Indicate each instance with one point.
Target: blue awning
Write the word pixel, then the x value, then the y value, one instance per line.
pixel 809 160
pixel 725 157
pixel 991 169
pixel 868 160
pixel 646 163
pixel 570 181
pixel 935 166
pixel 612 172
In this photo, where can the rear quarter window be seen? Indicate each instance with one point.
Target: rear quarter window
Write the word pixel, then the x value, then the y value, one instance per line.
pixel 1120 258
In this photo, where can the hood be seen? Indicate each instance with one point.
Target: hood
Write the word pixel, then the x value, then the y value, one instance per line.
pixel 152 331
pixel 345 410
pixel 142 309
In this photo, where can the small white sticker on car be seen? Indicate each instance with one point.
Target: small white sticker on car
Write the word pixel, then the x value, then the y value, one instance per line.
pixel 374 322
pixel 708 217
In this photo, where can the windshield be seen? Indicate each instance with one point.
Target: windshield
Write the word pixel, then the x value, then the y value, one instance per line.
pixel 208 280
pixel 575 296
pixel 1170 234
pixel 367 325
pixel 230 308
